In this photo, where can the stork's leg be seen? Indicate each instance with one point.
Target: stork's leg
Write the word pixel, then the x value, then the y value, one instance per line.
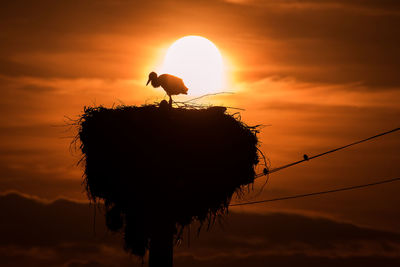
pixel 170 100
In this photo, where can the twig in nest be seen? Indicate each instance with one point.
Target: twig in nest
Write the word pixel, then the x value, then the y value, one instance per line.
pixel 197 98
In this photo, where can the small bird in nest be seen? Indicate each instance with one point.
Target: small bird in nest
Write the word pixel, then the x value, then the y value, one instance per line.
pixel 172 85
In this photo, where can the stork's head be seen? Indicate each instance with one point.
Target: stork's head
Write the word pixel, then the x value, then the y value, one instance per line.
pixel 152 76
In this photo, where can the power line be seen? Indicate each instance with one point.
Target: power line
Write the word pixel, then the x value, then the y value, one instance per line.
pixel 267 171
pixel 317 193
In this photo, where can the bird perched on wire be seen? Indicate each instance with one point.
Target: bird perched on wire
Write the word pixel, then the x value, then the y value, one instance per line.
pixel 172 85
pixel 305 156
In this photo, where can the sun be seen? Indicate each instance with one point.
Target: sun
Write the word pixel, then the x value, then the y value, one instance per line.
pixel 198 62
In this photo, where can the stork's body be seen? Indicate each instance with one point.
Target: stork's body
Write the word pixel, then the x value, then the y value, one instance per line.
pixel 172 85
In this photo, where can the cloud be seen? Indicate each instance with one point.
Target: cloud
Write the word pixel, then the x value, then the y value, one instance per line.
pixel 322 73
pixel 287 260
pixel 330 42
pixel 280 233
pixel 60 233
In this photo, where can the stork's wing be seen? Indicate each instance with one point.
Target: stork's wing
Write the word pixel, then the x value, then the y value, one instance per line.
pixel 172 84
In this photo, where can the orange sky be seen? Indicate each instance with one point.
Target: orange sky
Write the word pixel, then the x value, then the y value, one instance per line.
pixel 323 74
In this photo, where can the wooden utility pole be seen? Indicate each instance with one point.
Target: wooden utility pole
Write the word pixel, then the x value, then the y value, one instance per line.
pixel 161 247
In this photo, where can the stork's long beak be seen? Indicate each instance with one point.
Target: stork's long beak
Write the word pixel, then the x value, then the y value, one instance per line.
pixel 147 82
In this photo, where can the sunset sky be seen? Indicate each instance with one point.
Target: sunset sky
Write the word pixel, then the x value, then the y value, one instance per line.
pixel 320 74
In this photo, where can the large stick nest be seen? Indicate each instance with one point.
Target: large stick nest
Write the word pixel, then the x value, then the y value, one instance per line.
pixel 155 166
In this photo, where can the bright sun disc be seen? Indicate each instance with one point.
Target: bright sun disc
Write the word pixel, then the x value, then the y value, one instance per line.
pixel 198 62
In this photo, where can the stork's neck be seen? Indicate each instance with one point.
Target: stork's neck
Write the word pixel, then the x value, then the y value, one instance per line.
pixel 155 83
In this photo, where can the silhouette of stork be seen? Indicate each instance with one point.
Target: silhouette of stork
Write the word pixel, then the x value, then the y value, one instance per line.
pixel 172 85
